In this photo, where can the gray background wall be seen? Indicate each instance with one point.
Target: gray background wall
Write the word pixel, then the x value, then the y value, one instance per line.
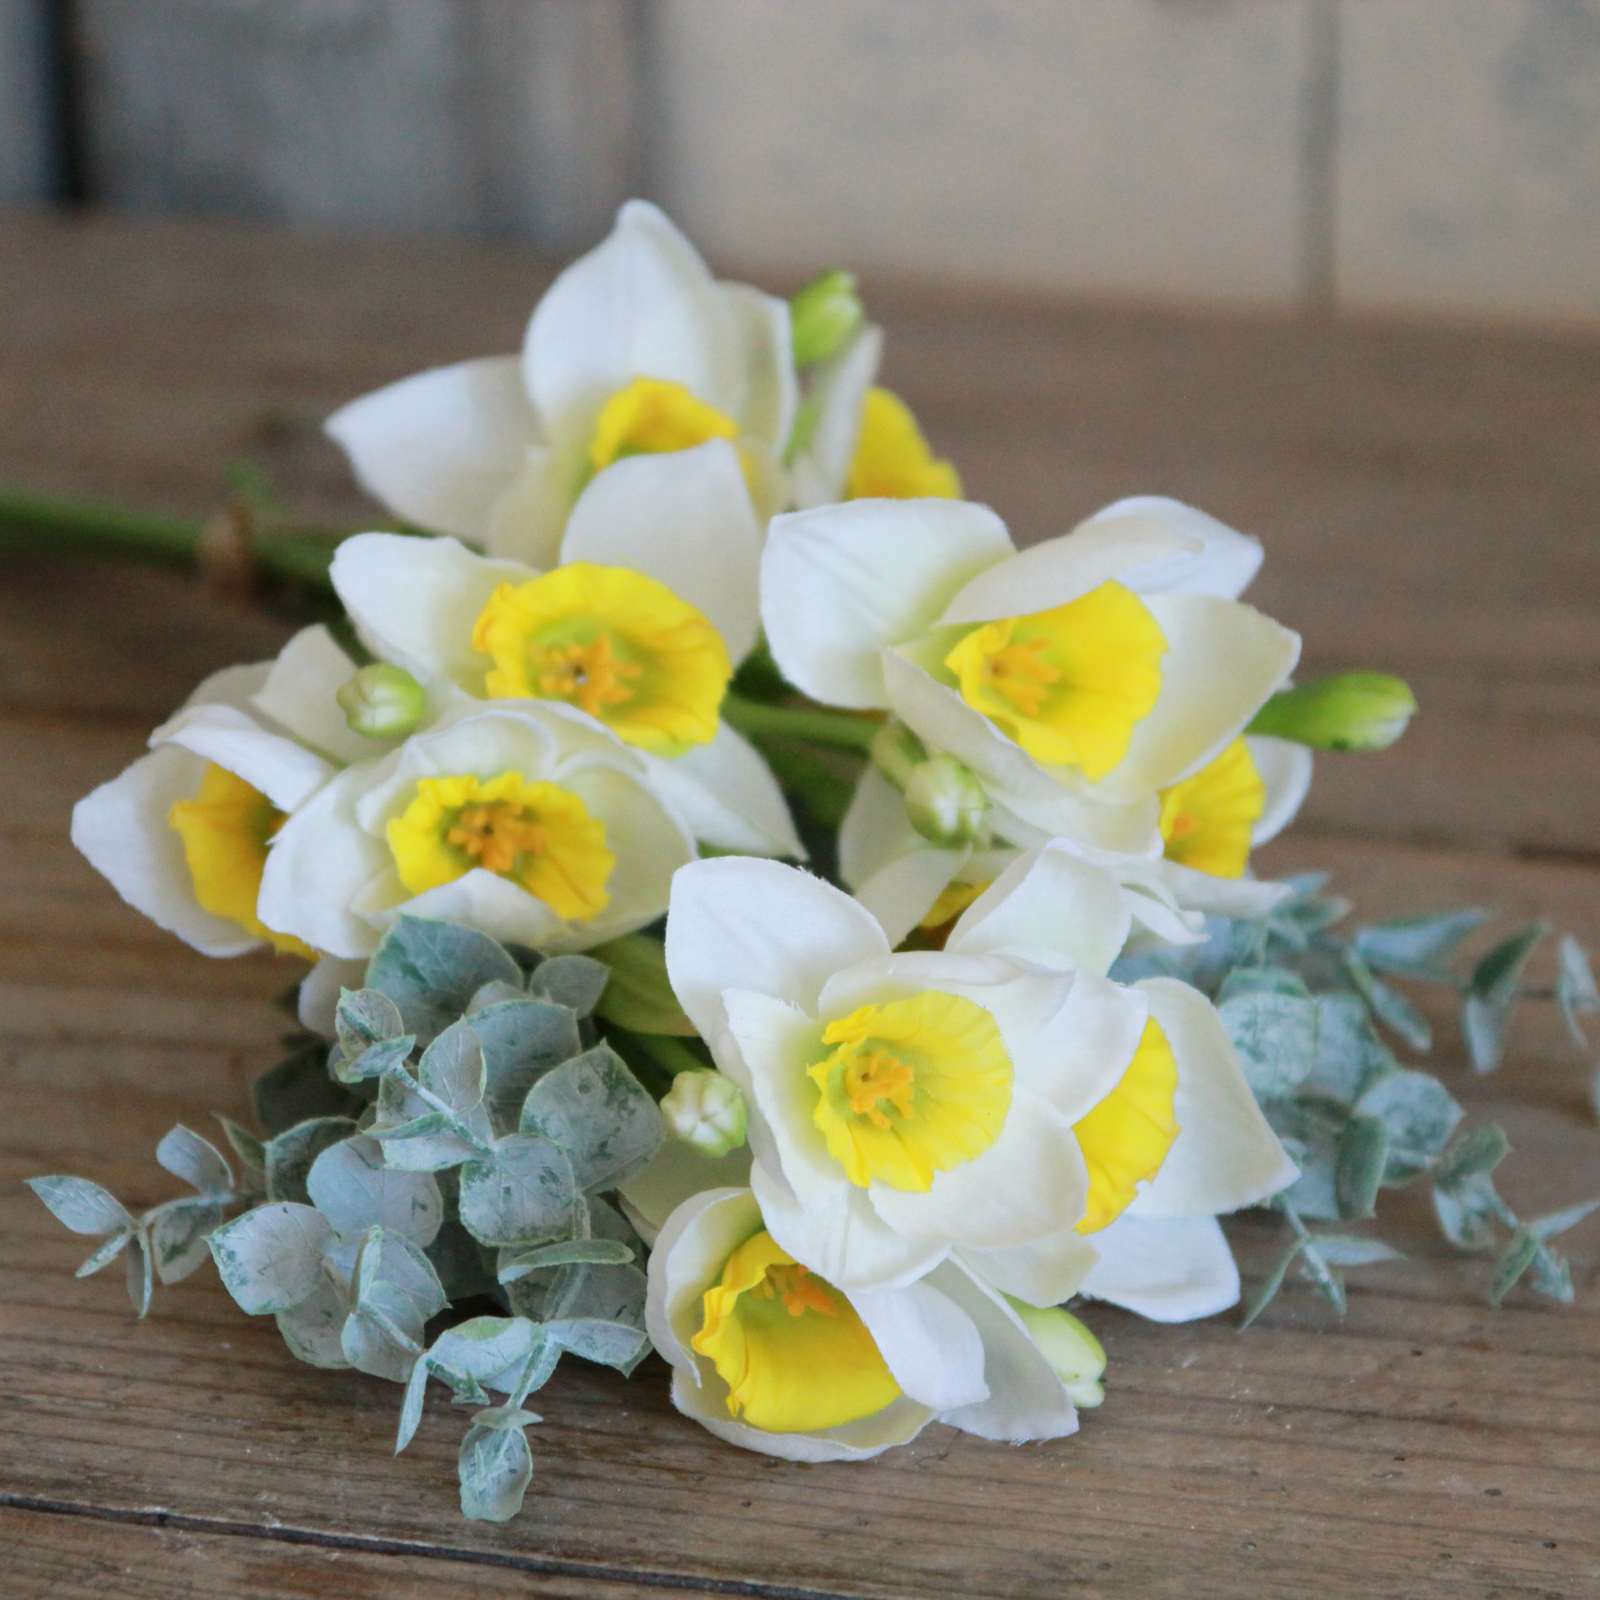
pixel 1428 156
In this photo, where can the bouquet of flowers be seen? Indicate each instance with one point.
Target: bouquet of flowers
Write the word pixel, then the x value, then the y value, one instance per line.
pixel 684 618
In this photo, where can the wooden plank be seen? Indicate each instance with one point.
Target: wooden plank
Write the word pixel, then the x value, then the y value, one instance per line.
pixel 480 116
pixel 29 160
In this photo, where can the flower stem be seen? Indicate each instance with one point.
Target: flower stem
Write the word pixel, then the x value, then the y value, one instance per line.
pixel 842 729
pixel 670 1054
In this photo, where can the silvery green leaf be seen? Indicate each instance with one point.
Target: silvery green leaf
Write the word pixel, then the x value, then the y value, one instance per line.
pixel 1419 1115
pixel 1557 1222
pixel 507 1417
pixel 605 1221
pixel 382 1335
pixel 1350 1055
pixel 176 1235
pixel 1417 946
pixel 83 1206
pixel 251 1151
pixel 1317 1270
pixel 1310 1130
pixel 376 1060
pixel 411 1406
pixel 1264 1292
pixel 598 1313
pixel 195 1161
pixel 495 993
pixel 452 1068
pixel 1575 987
pixel 1481 1150
pixel 1276 1037
pixel 516 1264
pixel 1550 1273
pixel 1363 1155
pixel 1350 1250
pixel 366 1017
pixel 495 1467
pixel 352 1187
pixel 1262 980
pixel 431 970
pixel 291 1153
pixel 1514 1261
pixel 313 1329
pixel 1492 996
pixel 141 1280
pixel 639 995
pixel 522 1040
pixel 1468 1211
pixel 460 1260
pixel 1299 919
pixel 110 1248
pixel 299 1089
pixel 576 982
pixel 271 1258
pixel 598 1112
pixel 492 1351
pixel 525 1196
pixel 391 1261
pixel 419 1138
pixel 1387 1004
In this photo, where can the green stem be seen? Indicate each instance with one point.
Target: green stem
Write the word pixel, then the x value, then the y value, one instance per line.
pixel 842 729
pixel 671 1054
pixel 51 525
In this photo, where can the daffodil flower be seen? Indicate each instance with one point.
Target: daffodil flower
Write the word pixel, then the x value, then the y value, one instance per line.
pixel 183 834
pixel 1001 1101
pixel 770 1356
pixel 1081 681
pixel 639 628
pixel 635 349
pixel 529 821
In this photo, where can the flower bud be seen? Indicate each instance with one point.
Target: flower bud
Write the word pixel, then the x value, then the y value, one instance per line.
pixel 1075 1355
pixel 824 316
pixel 946 803
pixel 706 1110
pixel 897 752
pixel 1352 711
pixel 382 702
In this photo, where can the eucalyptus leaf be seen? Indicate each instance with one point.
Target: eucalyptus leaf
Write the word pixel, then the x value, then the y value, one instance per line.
pixel 251 1151
pixel 522 1040
pixel 1351 1250
pixel 312 1329
pixel 492 1351
pixel 1514 1261
pixel 270 1259
pixel 1387 1004
pixel 1481 1150
pixel 597 1312
pixel 1321 1273
pixel 1262 980
pixel 639 996
pixel 1419 1115
pixel 566 1252
pixel 576 982
pixel 141 1280
pixel 1363 1156
pixel 1492 996
pixel 351 1186
pixel 382 1335
pixel 376 1060
pixel 290 1154
pixel 1350 1055
pixel 1417 946
pixel 1550 1273
pixel 431 970
pixel 1276 1037
pixel 107 1252
pixel 195 1161
pixel 1468 1210
pixel 1576 992
pixel 598 1112
pixel 452 1068
pixel 418 1138
pixel 176 1235
pixel 365 1017
pixel 525 1196
pixel 83 1206
pixel 391 1262
pixel 1266 1291
pixel 495 1468
pixel 1557 1222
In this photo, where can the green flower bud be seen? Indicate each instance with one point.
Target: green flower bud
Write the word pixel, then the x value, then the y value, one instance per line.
pixel 382 702
pixel 897 752
pixel 946 803
pixel 1075 1355
pixel 706 1110
pixel 824 316
pixel 1352 711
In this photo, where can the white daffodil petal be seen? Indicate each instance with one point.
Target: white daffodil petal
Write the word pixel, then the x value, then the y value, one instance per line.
pixel 1087 1044
pixel 683 518
pixel 1062 569
pixel 1170 1269
pixel 1221 562
pixel 727 796
pixel 835 398
pixel 902 892
pixel 1027 1400
pixel 875 829
pixel 842 1240
pixel 1045 1272
pixel 299 695
pixel 121 829
pixel 839 583
pixel 768 391
pixel 1223 661
pixel 318 1001
pixel 1225 1155
pixel 1285 770
pixel 640 304
pixel 676 1173
pixel 932 1347
pixel 439 449
pixel 1223 897
pixel 415 601
pixel 745 924
pixel 529 519
pixel 490 904
pixel 284 771
pixel 1048 907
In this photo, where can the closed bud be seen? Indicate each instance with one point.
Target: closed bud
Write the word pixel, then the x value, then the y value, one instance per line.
pixel 946 803
pixel 1076 1357
pixel 1353 711
pixel 382 702
pixel 824 317
pixel 706 1110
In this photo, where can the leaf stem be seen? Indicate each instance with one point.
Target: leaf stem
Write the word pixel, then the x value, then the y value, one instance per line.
pixel 842 729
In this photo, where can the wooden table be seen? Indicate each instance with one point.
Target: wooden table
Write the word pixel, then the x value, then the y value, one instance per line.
pixel 1430 501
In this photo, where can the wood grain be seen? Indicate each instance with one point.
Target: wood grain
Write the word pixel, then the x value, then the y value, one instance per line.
pixel 1425 1446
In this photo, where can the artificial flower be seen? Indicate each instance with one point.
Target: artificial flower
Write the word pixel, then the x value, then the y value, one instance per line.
pixel 640 627
pixel 634 349
pixel 1001 1100
pixel 528 821
pixel 769 1355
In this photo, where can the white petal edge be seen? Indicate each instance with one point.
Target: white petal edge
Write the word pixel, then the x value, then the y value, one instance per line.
pixel 837 393
pixel 1046 1272
pixel 727 797
pixel 1169 1269
pixel 299 695
pixel 284 771
pixel 1285 770
pixel 903 891
pixel 1224 564
pixel 875 829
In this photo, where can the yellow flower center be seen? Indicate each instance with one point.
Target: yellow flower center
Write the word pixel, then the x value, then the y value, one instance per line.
pixel 1208 820
pixel 911 1088
pixel 654 416
pixel 893 461
pixel 792 1350
pixel 225 829
pixel 538 835
pixel 618 645
pixel 1069 684
pixel 1126 1137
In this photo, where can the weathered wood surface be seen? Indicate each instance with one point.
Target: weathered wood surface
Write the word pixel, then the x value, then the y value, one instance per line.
pixel 1427 501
